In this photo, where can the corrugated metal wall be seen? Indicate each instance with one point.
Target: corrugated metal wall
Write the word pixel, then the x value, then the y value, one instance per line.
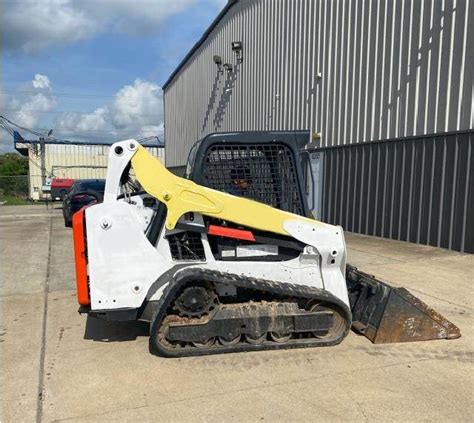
pixel 354 70
pixel 72 161
pixel 418 189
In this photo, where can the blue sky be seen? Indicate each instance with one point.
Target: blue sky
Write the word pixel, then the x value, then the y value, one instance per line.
pixel 94 69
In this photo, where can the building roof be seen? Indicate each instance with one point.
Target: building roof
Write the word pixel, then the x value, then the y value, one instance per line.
pixel 214 23
pixel 22 145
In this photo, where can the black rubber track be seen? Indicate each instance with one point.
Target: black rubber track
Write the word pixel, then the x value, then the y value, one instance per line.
pixel 185 276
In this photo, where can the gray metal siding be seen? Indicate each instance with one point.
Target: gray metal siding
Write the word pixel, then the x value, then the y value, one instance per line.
pixel 419 189
pixel 355 71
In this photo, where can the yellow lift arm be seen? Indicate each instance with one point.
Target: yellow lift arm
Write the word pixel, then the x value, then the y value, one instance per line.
pixel 182 196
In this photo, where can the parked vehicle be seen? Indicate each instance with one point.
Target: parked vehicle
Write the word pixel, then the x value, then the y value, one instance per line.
pixel 83 192
pixel 60 187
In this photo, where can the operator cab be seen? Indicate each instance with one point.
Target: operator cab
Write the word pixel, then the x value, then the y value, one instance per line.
pixel 263 166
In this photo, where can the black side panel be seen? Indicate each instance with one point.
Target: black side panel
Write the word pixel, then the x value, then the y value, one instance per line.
pixel 156 224
pixel 461 199
pixel 417 189
pixel 427 169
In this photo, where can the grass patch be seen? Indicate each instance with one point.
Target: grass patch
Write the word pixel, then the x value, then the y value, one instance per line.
pixel 11 200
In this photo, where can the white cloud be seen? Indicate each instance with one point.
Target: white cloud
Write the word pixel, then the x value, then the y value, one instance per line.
pixel 138 103
pixel 27 111
pixel 135 17
pixel 32 25
pixel 41 81
pixel 136 112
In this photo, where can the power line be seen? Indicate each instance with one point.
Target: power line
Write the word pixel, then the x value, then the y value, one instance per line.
pixel 77 112
pixel 29 92
pixel 11 127
pixel 41 131
pixel 83 130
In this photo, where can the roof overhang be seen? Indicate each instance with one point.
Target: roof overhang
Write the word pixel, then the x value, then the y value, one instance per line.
pixel 24 145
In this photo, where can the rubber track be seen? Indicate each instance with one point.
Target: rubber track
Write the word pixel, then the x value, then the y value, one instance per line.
pixel 191 274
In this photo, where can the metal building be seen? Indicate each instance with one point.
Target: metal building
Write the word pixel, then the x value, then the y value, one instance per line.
pixel 57 159
pixel 396 75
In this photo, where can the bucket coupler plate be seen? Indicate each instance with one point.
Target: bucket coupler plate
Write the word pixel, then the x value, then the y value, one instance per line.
pixel 386 314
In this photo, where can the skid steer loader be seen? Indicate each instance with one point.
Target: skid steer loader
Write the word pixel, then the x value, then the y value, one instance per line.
pixel 229 259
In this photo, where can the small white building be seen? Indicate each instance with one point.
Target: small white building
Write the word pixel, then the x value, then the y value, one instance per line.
pixel 56 159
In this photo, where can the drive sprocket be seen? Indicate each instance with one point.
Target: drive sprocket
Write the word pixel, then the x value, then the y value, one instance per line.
pixel 195 301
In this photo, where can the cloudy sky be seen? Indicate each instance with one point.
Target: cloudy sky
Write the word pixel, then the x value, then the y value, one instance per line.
pixel 93 69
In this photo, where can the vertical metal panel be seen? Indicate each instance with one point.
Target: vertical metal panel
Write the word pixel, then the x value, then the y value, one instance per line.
pixel 354 70
pixel 417 189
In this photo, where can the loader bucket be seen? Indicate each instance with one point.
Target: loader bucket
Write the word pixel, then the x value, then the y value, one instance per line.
pixel 386 314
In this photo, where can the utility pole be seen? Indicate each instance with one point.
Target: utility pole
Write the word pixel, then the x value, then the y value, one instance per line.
pixel 43 161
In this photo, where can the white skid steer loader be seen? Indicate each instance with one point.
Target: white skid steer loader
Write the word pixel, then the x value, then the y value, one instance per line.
pixel 215 272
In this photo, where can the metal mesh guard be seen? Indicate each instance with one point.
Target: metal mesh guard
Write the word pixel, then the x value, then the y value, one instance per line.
pixel 186 246
pixel 270 170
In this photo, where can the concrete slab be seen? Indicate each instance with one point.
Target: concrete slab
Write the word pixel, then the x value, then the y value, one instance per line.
pixel 443 275
pixel 62 271
pixel 20 348
pixel 24 250
pixel 24 254
pixel 394 250
pixel 355 380
pixel 30 211
pixel 96 371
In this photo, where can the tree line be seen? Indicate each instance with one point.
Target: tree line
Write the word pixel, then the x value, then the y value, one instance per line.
pixel 12 164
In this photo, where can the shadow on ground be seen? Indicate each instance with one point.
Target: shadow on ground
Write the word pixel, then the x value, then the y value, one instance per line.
pixel 105 331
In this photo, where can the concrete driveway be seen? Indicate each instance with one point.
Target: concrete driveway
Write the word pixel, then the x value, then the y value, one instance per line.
pixel 57 365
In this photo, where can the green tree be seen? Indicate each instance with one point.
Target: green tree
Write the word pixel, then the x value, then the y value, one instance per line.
pixel 12 164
